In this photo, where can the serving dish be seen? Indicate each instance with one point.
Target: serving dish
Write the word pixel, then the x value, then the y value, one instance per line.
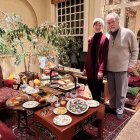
pixel 30 104
pixel 77 106
pixel 17 100
pixel 62 120
pixel 93 103
pixel 60 110
pixel 30 90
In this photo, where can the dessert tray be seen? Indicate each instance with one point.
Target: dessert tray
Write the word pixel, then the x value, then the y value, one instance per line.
pixel 62 120
pixel 69 86
pixel 30 104
pixel 67 82
pixel 93 103
pixel 60 110
pixel 50 90
pixel 54 85
pixel 77 106
pixel 17 100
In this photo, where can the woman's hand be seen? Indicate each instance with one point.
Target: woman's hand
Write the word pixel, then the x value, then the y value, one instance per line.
pixel 100 75
pixel 84 72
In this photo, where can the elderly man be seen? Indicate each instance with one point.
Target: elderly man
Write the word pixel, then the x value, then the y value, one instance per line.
pixel 122 56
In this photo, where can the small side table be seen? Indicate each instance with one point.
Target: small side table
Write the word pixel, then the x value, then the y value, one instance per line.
pixel 24 113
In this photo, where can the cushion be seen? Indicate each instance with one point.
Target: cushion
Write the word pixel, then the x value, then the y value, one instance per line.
pixel 134 81
pixel 136 71
pixel 9 83
pixel 131 100
pixel 6 133
pixel 133 90
pixel 6 93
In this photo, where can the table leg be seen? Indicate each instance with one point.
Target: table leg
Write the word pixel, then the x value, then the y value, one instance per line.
pixel 100 118
pixel 18 119
pixel 24 113
pixel 100 129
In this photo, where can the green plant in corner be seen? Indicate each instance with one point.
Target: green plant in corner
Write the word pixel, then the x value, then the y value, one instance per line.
pixel 19 40
pixel 22 42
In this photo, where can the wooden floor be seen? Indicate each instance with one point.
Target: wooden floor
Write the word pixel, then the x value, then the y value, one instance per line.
pixel 131 129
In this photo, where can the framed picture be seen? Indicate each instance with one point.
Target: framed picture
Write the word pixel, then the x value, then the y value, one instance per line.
pixel 118 11
pixel 117 1
pixel 108 2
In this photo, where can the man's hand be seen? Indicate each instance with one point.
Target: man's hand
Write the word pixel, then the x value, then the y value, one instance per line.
pixel 130 69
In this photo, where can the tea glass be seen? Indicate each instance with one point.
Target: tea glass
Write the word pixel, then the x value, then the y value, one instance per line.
pixel 51 100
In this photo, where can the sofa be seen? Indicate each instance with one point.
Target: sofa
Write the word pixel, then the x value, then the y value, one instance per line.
pixel 5 92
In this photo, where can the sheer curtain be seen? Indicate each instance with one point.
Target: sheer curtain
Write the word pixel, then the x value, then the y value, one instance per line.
pixel 137 24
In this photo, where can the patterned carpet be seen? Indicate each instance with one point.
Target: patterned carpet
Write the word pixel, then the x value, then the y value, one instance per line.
pixel 111 129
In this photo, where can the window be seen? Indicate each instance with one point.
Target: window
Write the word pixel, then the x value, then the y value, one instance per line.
pixel 71 13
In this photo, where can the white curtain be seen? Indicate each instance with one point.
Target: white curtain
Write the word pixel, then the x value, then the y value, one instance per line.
pixel 137 24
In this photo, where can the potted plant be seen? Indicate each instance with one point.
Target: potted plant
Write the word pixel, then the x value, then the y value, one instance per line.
pixel 19 40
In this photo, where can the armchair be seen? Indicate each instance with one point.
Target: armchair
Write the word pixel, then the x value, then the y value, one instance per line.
pixel 5 92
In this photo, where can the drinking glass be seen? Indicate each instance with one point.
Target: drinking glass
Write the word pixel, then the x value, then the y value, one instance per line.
pixel 73 94
pixel 51 100
pixel 67 94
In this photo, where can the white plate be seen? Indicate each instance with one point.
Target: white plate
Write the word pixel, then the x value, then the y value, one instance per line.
pixel 62 120
pixel 77 106
pixel 31 90
pixel 93 103
pixel 60 110
pixel 30 104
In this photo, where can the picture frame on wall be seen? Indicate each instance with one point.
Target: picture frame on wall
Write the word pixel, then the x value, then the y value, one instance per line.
pixel 117 1
pixel 108 2
pixel 118 11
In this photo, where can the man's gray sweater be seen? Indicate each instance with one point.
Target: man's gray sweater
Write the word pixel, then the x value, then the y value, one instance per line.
pixel 123 51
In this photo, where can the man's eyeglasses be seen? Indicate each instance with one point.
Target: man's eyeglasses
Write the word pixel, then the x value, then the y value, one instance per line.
pixel 111 22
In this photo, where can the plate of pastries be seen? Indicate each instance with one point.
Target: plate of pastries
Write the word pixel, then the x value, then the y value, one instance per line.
pixel 41 97
pixel 60 110
pixel 17 100
pixel 66 82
